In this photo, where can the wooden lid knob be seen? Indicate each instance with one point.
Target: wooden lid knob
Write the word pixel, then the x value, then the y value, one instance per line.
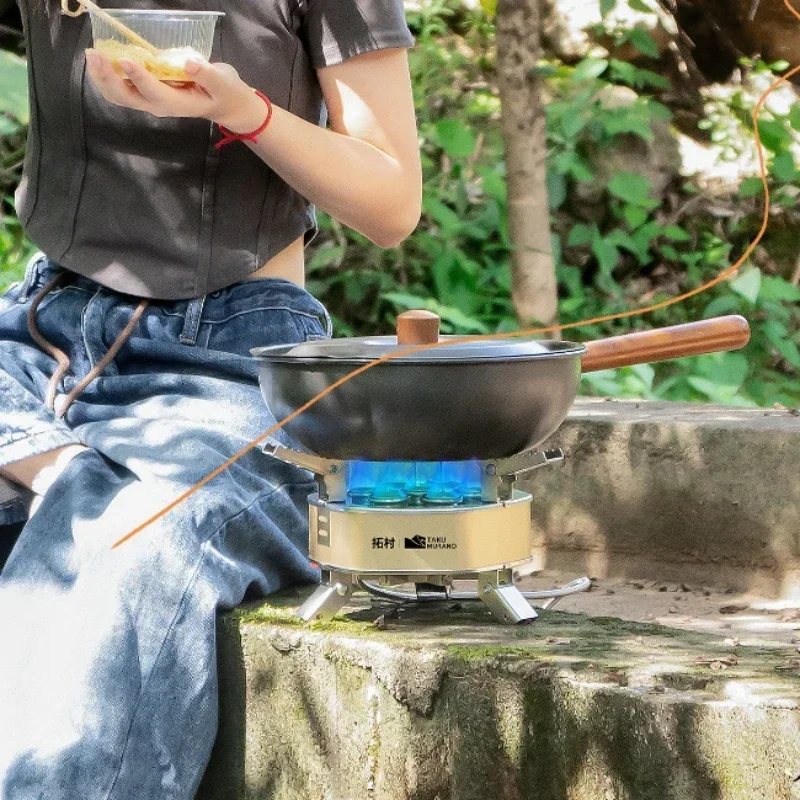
pixel 417 327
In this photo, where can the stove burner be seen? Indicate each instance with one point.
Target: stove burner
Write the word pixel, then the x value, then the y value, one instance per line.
pixel 388 495
pixel 473 495
pixel 359 496
pixel 406 483
pixel 417 490
pixel 443 494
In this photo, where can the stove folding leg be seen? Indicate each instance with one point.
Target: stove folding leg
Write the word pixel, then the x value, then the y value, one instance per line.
pixel 507 603
pixel 327 600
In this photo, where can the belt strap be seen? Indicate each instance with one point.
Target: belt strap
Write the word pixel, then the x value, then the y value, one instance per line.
pixel 191 325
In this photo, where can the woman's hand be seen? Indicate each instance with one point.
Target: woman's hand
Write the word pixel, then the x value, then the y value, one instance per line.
pixel 217 94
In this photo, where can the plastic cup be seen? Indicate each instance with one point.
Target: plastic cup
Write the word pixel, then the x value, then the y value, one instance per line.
pixel 179 35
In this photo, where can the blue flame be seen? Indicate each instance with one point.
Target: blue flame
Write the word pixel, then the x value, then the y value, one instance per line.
pixel 389 482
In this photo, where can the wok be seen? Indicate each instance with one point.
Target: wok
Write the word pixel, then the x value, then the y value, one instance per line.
pixel 479 399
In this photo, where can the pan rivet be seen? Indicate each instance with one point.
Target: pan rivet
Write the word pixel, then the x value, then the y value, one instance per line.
pixel 333 469
pixel 491 469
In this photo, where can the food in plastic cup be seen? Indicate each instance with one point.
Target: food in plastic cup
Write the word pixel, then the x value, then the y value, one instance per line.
pixel 179 36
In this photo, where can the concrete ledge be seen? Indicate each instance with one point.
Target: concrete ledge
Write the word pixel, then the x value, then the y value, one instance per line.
pixel 671 491
pixel 456 708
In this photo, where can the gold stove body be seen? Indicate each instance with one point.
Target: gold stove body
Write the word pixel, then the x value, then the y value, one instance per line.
pixel 420 540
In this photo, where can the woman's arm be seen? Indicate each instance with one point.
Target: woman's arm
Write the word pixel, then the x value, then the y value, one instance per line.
pixel 364 171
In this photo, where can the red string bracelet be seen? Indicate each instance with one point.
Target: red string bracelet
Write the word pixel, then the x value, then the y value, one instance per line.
pixel 248 137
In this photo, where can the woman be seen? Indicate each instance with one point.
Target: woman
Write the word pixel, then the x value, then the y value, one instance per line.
pixel 125 374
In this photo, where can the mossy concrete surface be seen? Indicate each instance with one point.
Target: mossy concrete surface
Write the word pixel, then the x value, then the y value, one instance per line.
pixel 671 491
pixel 443 704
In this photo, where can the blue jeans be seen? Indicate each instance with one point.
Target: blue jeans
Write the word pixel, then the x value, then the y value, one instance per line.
pixel 108 682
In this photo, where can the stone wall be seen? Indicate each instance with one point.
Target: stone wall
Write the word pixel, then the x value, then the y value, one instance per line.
pixel 453 707
pixel 674 492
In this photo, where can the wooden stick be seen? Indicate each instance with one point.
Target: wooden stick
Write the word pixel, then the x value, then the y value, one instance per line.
pixel 120 27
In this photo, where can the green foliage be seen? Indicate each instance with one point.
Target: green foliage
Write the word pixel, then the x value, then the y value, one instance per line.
pixel 13 88
pixel 14 249
pixel 457 263
pixel 607 6
pixel 633 241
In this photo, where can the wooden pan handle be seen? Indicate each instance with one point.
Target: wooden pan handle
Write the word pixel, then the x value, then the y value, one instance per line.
pixel 662 344
pixel 417 327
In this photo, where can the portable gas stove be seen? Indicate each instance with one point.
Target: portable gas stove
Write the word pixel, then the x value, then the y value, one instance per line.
pixel 377 525
pixel 416 458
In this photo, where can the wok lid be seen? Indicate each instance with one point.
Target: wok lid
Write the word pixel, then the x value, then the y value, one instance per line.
pixel 362 350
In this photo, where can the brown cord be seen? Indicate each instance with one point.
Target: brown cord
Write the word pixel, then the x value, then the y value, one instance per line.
pixel 61 357
pixel 50 349
pixel 105 360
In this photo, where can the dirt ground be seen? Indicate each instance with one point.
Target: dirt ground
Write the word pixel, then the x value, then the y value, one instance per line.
pixel 745 619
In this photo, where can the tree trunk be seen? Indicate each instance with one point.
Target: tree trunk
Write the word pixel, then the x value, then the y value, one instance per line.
pixel 534 290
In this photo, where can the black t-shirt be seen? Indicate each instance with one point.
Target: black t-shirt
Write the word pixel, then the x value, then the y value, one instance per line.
pixel 147 206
